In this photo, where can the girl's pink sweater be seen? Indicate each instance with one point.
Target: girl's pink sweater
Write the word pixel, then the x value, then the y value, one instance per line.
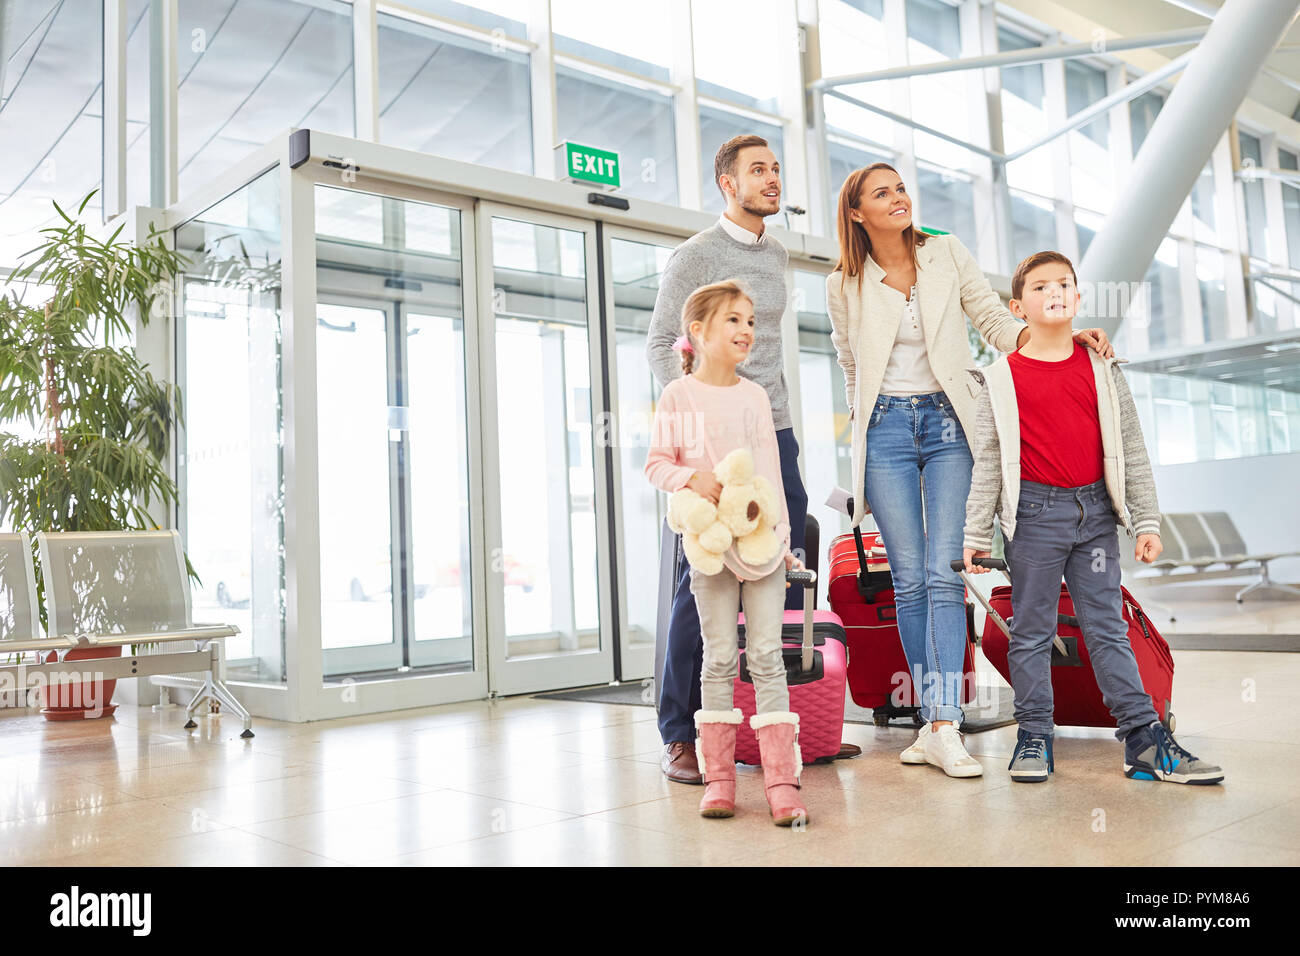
pixel 696 426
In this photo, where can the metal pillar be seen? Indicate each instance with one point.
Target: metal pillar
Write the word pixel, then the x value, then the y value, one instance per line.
pixel 1181 139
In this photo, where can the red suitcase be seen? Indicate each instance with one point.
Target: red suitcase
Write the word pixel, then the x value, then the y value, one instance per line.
pixel 1077 698
pixel 861 592
pixel 815 639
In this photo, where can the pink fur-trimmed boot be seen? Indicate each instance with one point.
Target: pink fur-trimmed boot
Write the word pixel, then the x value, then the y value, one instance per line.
pixel 716 750
pixel 778 748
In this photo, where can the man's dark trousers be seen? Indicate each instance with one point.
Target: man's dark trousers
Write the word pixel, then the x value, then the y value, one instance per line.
pixel 679 693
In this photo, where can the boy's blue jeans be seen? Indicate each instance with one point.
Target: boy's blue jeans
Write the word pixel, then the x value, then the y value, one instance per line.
pixel 1070 532
pixel 913 443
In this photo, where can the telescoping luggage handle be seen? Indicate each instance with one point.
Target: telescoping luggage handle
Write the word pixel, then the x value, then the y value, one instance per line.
pixel 808 578
pixel 997 564
pixel 865 587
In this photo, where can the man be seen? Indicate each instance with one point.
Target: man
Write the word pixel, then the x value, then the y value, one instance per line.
pixel 737 247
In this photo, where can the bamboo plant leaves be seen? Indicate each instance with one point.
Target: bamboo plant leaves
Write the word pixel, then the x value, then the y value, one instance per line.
pixel 67 370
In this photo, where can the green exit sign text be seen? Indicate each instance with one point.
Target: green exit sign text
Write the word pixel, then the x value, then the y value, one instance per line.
pixel 590 165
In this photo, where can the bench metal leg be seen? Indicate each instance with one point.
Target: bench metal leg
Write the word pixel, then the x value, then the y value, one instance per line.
pixel 1265 583
pixel 216 690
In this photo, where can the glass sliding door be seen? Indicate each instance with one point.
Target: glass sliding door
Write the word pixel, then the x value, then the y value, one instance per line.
pixel 547 579
pixel 358 632
pixel 393 427
pixel 230 463
pixel 634 262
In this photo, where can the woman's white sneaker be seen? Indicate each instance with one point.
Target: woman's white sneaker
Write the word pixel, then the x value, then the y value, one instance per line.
pixel 916 752
pixel 943 748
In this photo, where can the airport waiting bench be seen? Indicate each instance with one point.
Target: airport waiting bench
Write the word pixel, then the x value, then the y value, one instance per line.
pixel 105 590
pixel 1199 545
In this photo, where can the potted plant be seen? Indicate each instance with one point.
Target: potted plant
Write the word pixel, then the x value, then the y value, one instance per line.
pixel 100 423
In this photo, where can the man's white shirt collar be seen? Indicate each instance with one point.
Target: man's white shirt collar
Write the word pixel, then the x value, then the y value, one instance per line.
pixel 740 233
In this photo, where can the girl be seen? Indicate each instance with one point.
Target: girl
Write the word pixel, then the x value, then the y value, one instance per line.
pixel 896 301
pixel 701 417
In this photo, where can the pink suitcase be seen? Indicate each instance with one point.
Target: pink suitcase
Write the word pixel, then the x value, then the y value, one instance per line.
pixel 813 645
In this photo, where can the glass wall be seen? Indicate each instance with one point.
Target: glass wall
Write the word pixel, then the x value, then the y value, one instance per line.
pixel 453 96
pixel 720 29
pixel 250 68
pixel 231 467
pixel 585 28
pixel 51 116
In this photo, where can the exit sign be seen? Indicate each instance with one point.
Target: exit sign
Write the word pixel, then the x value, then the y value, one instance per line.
pixel 587 164
pixel 933 232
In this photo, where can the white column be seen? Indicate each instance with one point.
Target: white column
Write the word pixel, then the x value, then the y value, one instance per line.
pixel 365 69
pixel 114 139
pixel 900 100
pixel 973 37
pixel 686 110
pixel 163 93
pixel 1275 210
pixel 1055 105
pixel 541 71
pixel 1121 138
pixel 1203 102
pixel 792 40
pixel 820 214
pixel 302 623
pixel 1000 198
pixel 1236 261
pixel 1190 289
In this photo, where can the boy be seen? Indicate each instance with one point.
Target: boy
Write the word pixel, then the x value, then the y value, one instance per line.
pixel 1059 457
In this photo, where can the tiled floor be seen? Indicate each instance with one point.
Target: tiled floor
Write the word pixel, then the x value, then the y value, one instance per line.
pixel 523 781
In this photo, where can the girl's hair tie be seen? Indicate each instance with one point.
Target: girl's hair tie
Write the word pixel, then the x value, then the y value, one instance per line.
pixel 683 344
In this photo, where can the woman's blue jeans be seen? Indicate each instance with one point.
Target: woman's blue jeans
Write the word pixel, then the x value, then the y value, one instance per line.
pixel 918 476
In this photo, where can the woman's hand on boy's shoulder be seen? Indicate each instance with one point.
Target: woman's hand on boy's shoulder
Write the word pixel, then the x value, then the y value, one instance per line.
pixel 1096 340
pixel 1148 548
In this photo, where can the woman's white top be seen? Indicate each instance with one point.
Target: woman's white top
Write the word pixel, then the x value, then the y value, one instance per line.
pixel 908 371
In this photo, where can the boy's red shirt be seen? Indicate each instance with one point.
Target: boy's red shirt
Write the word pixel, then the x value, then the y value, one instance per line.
pixel 1060 435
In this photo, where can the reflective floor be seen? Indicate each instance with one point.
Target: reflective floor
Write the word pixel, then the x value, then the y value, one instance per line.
pixel 525 781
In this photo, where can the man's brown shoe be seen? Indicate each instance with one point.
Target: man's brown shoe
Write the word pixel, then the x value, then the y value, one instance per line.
pixel 680 764
pixel 848 750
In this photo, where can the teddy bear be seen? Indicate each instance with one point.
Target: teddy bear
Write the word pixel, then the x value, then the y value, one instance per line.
pixel 746 514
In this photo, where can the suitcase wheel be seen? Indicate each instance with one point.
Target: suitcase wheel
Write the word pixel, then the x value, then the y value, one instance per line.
pixel 880 718
pixel 916 720
pixel 1170 721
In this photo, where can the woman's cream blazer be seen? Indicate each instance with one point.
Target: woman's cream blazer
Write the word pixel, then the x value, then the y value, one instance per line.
pixel 864 323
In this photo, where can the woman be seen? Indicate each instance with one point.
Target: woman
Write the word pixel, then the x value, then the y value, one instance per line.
pixel 896 300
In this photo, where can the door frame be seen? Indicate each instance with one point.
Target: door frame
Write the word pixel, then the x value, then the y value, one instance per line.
pixel 325 697
pixel 635 663
pixel 574 669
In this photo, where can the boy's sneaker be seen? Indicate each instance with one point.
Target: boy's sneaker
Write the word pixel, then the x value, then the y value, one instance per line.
pixel 1151 753
pixel 943 748
pixel 1031 762
pixel 916 752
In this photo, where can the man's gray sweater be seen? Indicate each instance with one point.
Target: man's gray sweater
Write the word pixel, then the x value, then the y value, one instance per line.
pixel 711 256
